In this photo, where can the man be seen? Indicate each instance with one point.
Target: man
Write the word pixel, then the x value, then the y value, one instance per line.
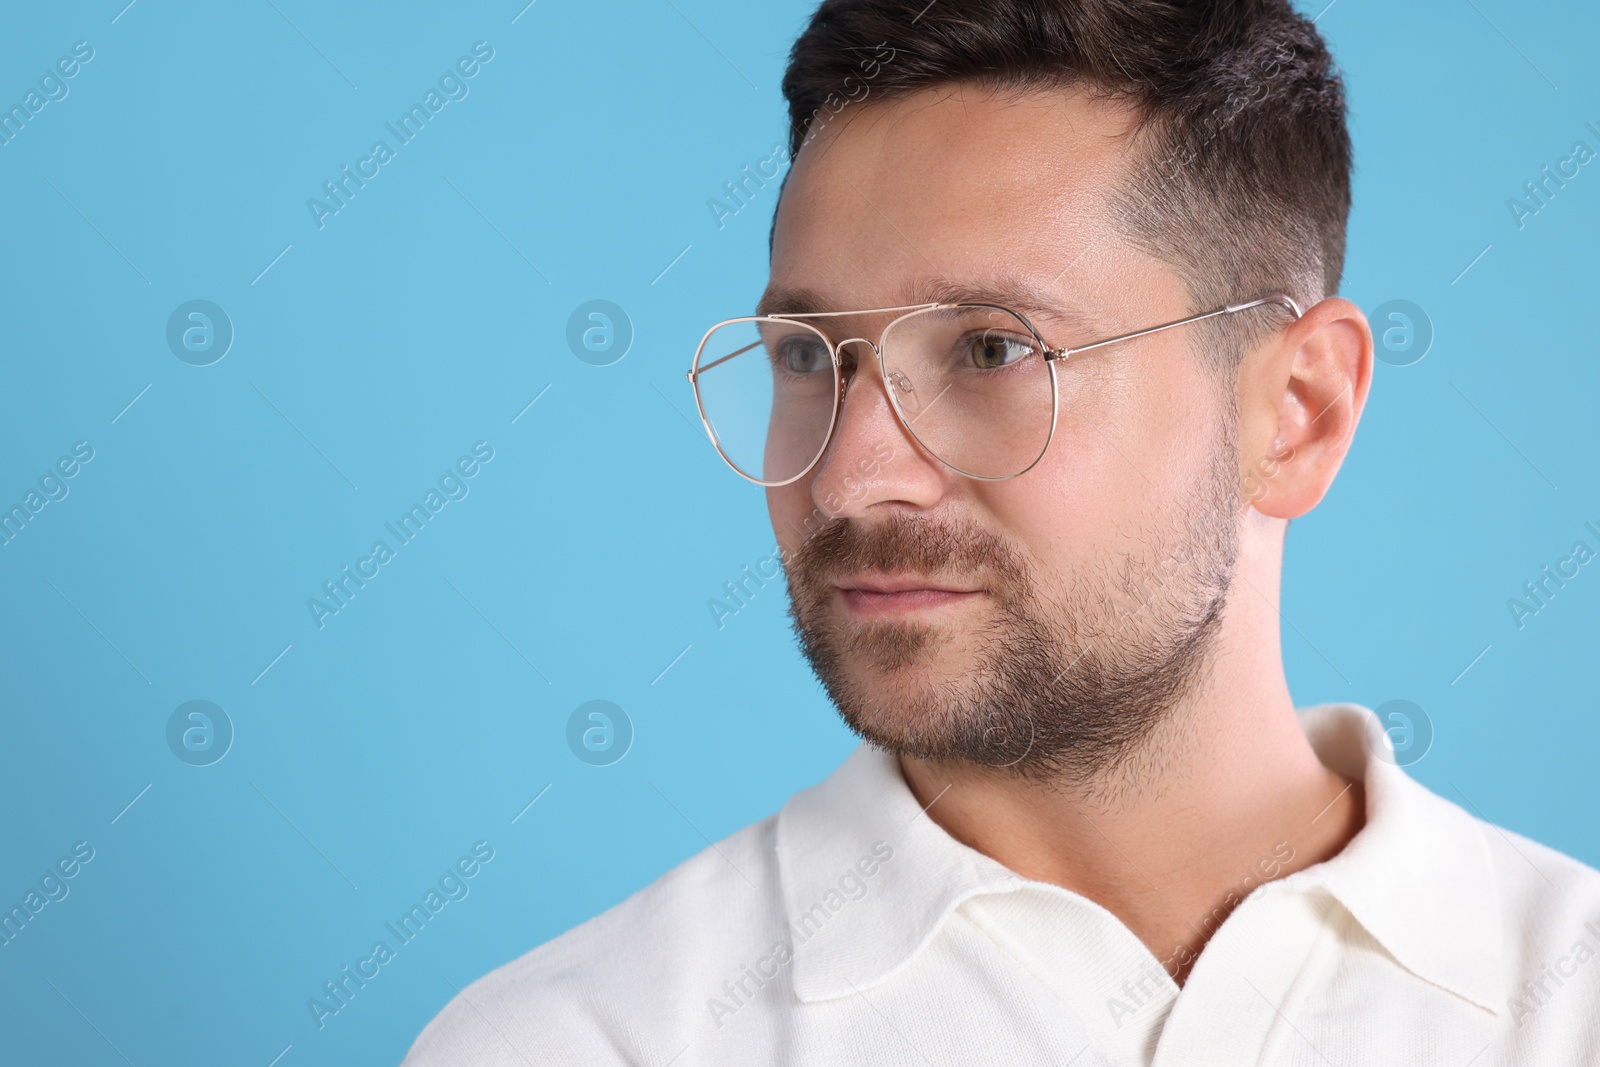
pixel 1039 574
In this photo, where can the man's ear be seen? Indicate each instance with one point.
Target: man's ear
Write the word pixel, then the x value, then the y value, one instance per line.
pixel 1301 395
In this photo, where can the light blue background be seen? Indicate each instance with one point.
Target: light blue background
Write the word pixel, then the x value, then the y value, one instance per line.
pixel 429 312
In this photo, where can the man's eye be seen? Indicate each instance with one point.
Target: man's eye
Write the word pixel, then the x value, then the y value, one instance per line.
pixel 989 349
pixel 801 356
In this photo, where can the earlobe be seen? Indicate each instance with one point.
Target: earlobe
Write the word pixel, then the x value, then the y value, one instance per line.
pixel 1313 388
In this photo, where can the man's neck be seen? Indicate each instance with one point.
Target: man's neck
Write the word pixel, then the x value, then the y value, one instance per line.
pixel 1225 794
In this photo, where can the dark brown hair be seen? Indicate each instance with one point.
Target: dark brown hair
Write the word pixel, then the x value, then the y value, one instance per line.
pixel 1240 175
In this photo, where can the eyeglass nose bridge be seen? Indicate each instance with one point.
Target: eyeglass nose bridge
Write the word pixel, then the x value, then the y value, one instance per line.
pixel 896 386
pixel 839 347
pixel 896 381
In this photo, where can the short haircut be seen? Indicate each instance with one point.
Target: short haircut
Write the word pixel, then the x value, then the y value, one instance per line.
pixel 1240 173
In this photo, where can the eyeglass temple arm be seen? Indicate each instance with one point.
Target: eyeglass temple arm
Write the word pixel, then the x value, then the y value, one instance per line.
pixel 1273 298
pixel 693 371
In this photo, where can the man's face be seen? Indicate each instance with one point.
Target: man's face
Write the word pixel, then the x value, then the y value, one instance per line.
pixel 1088 589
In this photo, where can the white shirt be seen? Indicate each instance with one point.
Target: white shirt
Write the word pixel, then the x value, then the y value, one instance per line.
pixel 850 928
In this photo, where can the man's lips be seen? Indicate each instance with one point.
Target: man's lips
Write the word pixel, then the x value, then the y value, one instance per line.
pixel 891 583
pixel 877 595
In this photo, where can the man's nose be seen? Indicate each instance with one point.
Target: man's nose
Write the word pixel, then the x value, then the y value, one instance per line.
pixel 872 458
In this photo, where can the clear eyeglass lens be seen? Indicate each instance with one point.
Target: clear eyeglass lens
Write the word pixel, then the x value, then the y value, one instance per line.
pixel 767 389
pixel 974 387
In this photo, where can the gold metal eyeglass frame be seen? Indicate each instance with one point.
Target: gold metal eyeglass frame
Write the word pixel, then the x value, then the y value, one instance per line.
pixel 1050 355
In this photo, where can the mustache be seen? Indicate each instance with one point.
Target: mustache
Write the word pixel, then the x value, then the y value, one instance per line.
pixel 841 547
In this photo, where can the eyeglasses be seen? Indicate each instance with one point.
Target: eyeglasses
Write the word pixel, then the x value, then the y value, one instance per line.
pixel 974 384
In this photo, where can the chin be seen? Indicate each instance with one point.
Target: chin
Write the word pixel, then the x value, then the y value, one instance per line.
pixel 895 654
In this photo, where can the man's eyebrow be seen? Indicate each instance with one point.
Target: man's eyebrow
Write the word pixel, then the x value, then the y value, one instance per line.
pixel 1016 293
pixel 791 301
pixel 1019 294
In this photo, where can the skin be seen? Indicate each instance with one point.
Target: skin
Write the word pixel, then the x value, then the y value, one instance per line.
pixel 958 184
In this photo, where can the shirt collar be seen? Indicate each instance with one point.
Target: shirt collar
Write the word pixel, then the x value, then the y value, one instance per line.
pixel 1418 876
pixel 868 879
pixel 851 929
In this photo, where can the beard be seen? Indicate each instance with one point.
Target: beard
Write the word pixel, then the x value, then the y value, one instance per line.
pixel 1065 683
